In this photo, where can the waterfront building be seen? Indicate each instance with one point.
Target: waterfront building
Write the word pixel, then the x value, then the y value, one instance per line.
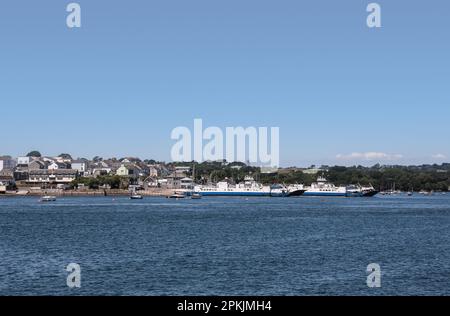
pixel 21 169
pixel 37 165
pixel 58 176
pixel 6 177
pixel 81 166
pixel 178 180
pixel 187 184
pixel 23 161
pixel 95 169
pixel 128 170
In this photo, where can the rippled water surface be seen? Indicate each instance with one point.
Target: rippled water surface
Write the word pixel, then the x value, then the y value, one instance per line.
pixel 225 246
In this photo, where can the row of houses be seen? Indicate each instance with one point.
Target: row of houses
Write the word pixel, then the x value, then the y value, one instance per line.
pixel 41 171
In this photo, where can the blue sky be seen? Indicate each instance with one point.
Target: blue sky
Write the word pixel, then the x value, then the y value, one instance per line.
pixel 340 92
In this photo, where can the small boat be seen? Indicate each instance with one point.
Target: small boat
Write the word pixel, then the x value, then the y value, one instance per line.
pixel 196 196
pixel 410 194
pixel 48 198
pixel 177 196
pixel 134 195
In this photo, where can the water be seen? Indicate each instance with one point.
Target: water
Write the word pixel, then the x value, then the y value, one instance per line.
pixel 225 246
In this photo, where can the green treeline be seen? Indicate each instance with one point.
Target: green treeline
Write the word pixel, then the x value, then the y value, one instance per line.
pixel 405 178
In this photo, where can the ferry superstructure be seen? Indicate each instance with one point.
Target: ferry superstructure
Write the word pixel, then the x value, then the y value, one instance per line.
pixel 323 188
pixel 249 187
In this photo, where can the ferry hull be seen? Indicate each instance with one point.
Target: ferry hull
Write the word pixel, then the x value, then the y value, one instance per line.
pixel 325 194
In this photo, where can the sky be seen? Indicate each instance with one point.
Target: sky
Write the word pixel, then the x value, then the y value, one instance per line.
pixel 340 92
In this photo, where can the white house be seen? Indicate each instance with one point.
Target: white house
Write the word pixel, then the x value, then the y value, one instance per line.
pixel 187 183
pixel 23 161
pixel 80 165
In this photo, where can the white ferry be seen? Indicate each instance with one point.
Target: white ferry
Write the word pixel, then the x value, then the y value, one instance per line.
pixel 247 188
pixel 323 188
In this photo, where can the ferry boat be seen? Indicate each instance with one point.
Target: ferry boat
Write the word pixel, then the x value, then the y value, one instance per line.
pixel 247 188
pixel 323 188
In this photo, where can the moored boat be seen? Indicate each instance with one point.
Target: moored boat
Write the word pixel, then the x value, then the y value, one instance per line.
pixel 177 195
pixel 196 196
pixel 48 198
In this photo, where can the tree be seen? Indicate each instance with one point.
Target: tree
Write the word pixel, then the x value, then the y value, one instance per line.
pixel 65 156
pixel 34 153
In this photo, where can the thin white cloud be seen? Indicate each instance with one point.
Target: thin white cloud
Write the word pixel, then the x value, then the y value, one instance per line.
pixel 439 156
pixel 369 156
